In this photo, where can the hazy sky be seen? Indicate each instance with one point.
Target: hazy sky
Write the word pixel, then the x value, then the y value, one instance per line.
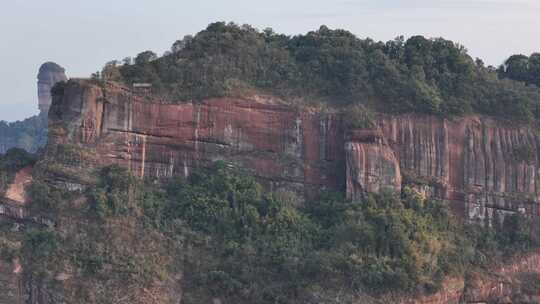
pixel 81 35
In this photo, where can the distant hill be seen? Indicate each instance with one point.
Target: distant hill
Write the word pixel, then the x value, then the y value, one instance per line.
pixel 31 134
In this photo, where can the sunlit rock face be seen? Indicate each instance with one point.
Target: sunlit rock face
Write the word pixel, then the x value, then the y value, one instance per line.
pixel 49 74
pixel 483 168
pixel 290 150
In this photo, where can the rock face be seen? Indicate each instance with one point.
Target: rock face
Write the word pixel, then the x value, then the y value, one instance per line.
pixel 371 164
pixel 482 167
pixel 485 169
pixel 49 74
pixel 289 150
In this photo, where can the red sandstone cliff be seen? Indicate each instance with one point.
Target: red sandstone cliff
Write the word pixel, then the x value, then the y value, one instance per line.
pixel 475 163
pixel 288 149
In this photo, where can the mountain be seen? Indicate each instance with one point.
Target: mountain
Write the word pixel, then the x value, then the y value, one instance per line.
pixel 252 167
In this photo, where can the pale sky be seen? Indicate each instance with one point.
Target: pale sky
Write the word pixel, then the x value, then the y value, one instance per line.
pixel 81 35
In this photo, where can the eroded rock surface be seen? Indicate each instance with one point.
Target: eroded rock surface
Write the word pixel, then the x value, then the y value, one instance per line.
pixel 31 134
pixel 289 150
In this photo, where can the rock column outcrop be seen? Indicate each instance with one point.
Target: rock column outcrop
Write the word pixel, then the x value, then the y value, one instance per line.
pixel 49 74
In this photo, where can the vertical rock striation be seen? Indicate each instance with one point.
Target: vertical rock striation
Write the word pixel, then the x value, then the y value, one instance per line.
pixel 287 149
pixel 478 164
pixel 371 164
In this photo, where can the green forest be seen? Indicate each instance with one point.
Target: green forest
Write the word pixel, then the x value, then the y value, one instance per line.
pixel 418 74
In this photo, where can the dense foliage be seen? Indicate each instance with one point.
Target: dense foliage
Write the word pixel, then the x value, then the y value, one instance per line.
pixel 417 74
pixel 232 240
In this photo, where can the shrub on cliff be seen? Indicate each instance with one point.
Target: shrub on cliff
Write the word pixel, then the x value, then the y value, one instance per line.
pixel 257 244
pixel 386 243
pixel 15 159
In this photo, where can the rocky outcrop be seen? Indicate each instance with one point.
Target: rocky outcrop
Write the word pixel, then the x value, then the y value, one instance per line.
pixel 16 192
pixel 483 168
pixel 49 74
pixel 12 218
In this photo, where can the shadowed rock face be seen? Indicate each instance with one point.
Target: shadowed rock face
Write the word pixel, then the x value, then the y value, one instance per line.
pixel 484 169
pixel 49 74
